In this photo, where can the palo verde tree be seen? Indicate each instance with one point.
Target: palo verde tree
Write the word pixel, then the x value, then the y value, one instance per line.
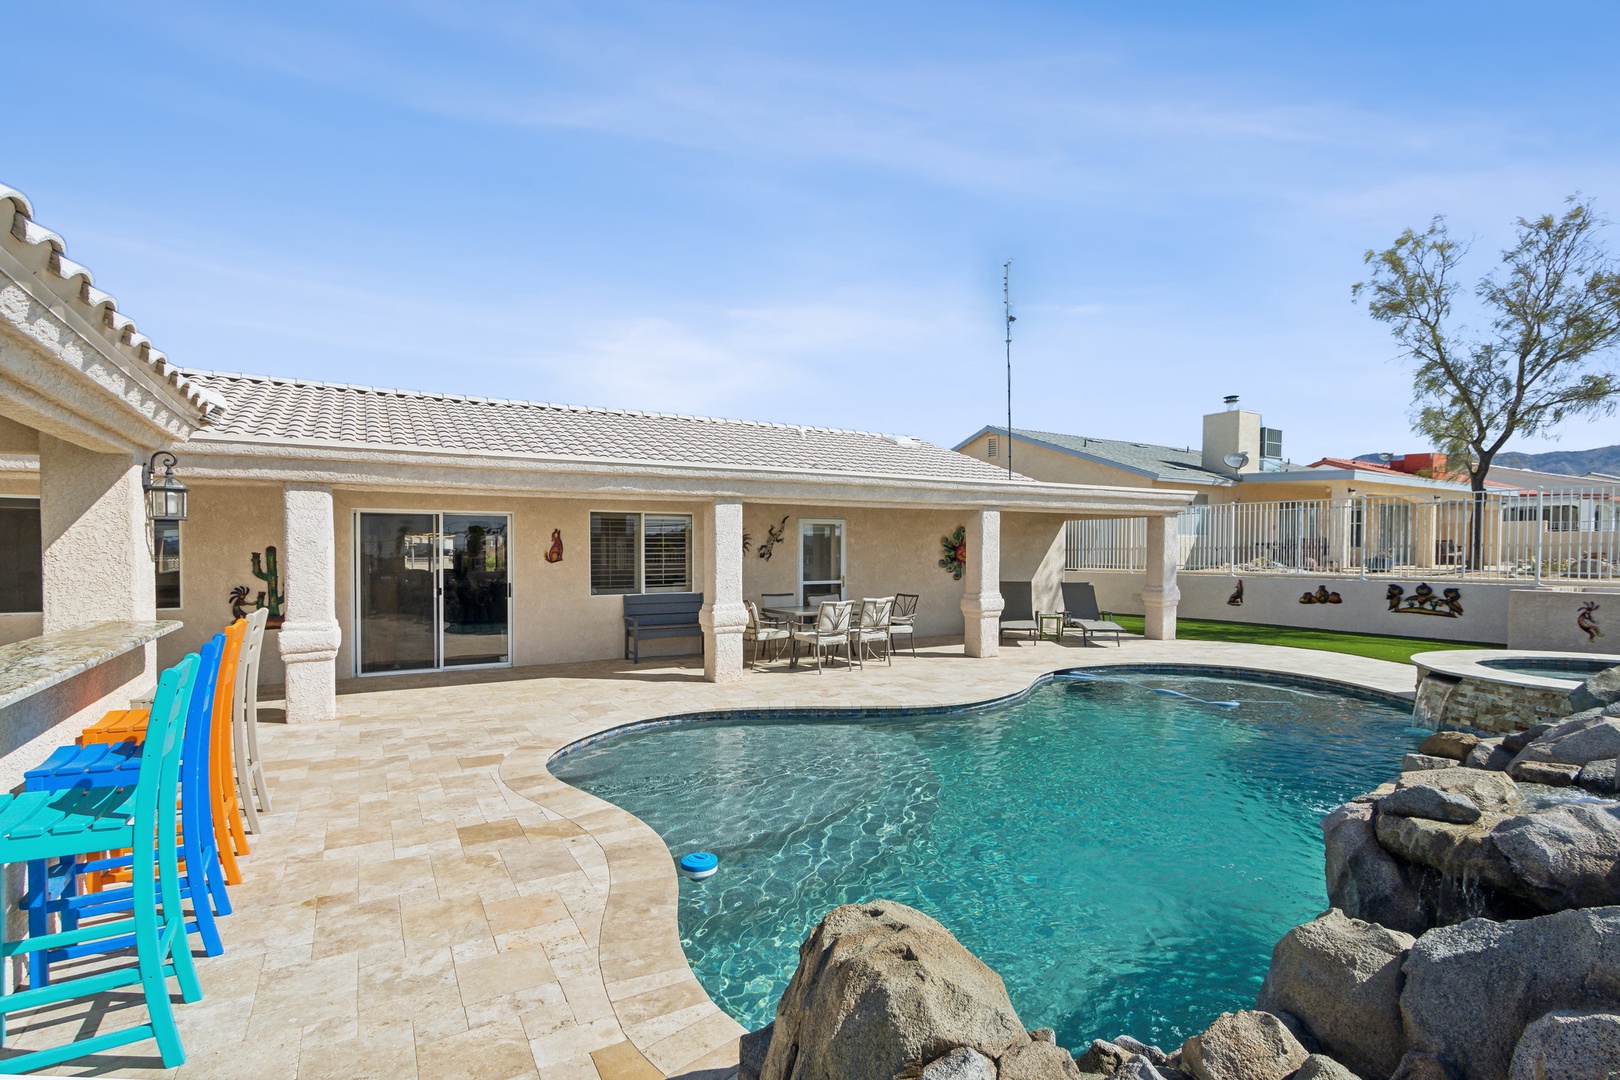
pixel 1552 307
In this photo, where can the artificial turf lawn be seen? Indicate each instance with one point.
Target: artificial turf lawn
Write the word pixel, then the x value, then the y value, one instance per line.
pixel 1377 646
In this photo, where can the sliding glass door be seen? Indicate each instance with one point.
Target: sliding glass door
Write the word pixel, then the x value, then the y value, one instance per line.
pixel 432 590
pixel 474 576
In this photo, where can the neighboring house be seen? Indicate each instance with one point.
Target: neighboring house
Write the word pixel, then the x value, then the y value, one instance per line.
pixel 397 531
pixel 1238 460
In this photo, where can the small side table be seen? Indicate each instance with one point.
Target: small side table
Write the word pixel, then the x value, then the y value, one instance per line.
pixel 1049 626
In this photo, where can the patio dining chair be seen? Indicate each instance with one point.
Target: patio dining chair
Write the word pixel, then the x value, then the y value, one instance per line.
pixel 903 620
pixel 58 890
pixel 252 792
pixel 873 629
pixel 817 599
pixel 765 634
pixel 50 825
pixel 777 600
pixel 128 725
pixel 830 630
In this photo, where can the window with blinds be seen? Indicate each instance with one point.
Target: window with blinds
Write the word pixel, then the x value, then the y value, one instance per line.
pixel 633 553
pixel 615 547
pixel 668 553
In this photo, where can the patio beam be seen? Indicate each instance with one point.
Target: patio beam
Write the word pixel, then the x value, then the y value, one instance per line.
pixel 1161 596
pixel 723 616
pixel 310 636
pixel 981 600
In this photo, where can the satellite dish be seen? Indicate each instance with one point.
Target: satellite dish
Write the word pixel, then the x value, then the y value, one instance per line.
pixel 1237 459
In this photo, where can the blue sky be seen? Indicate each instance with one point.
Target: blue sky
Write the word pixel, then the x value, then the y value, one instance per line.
pixel 799 212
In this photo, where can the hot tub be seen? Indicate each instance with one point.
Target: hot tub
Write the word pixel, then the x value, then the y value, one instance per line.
pixel 1500 690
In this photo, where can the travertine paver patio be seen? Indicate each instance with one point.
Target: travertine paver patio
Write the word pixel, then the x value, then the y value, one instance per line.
pixel 427 901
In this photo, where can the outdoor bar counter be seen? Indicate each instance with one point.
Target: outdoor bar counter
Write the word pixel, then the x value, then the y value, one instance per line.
pixel 46 680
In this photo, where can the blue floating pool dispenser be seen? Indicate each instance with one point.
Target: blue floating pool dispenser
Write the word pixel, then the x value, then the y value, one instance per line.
pixel 699 865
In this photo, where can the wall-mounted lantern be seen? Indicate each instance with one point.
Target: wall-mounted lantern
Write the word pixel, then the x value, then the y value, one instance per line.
pixel 165 498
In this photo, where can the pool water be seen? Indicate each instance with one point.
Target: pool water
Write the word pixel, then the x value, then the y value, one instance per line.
pixel 1123 856
pixel 1551 668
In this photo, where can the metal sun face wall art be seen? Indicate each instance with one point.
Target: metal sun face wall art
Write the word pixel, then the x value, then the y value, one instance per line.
pixel 955 560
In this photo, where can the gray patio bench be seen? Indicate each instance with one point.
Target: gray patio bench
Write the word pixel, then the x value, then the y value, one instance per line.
pixel 648 616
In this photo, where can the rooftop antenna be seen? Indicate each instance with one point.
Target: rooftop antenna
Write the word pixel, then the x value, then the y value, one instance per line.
pixel 1006 307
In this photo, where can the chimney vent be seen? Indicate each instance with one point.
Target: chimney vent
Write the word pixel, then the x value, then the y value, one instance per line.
pixel 1231 401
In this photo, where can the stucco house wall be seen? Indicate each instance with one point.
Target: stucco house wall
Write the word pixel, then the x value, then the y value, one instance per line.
pixel 555 619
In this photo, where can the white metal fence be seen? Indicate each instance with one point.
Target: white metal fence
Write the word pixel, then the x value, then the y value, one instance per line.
pixel 1567 534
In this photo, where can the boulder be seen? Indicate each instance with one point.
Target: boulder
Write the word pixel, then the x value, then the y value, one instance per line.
pixel 1456 851
pixel 1037 1061
pixel 1489 754
pixel 1418 1065
pixel 1491 792
pixel 1600 690
pixel 963 1063
pixel 880 991
pixel 1318 1067
pixel 1518 740
pixel 1568 1046
pixel 1365 881
pixel 1600 777
pixel 1564 857
pixel 1426 763
pixel 1243 1046
pixel 1135 1046
pixel 1140 1067
pixel 751 1049
pixel 1576 741
pixel 1103 1058
pixel 1449 744
pixel 1341 978
pixel 1432 803
pixel 1472 989
pixel 1544 772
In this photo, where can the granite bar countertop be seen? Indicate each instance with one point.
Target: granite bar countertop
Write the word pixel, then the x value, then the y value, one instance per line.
pixel 35 664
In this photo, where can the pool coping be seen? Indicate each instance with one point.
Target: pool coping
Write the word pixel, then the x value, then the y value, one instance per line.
pixel 638 943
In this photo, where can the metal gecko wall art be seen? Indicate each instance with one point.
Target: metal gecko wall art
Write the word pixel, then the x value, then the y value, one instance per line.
pixel 772 536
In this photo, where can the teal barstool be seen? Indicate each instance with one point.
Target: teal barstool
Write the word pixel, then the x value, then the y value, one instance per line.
pixel 58 824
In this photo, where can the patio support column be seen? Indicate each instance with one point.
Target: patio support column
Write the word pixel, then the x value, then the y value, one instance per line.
pixel 981 602
pixel 310 635
pixel 1161 596
pixel 723 616
pixel 95 538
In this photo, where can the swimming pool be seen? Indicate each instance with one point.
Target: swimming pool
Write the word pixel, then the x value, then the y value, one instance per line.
pixel 1124 857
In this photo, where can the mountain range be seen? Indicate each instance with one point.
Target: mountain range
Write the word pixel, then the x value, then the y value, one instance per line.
pixel 1604 459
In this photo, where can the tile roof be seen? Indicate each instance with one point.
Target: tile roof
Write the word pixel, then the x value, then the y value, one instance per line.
pixel 279 410
pixel 1163 462
pixel 74 285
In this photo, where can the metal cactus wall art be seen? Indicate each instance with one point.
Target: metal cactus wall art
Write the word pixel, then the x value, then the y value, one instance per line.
pixel 267 570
